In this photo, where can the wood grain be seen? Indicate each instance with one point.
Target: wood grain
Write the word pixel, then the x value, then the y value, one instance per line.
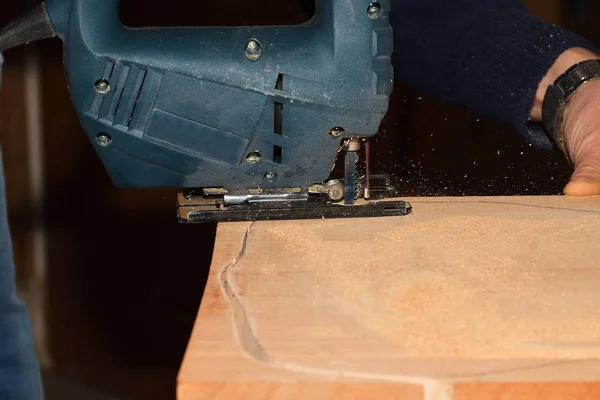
pixel 470 298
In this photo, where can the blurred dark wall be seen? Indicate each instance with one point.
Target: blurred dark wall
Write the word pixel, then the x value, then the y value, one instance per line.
pixel 138 13
pixel 126 280
pixel 14 145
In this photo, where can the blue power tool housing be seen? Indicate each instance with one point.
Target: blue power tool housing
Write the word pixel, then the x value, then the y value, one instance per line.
pixel 244 110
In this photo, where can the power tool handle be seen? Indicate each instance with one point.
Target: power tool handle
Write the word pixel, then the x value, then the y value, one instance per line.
pixel 92 17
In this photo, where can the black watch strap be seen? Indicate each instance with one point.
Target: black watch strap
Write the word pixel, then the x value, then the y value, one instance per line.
pixel 560 93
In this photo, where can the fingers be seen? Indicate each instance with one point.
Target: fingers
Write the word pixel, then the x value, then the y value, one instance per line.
pixel 582 188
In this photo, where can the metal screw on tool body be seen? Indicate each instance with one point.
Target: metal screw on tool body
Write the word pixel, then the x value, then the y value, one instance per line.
pixel 335 190
pixel 336 132
pixel 104 139
pixel 374 11
pixel 102 86
pixel 271 176
pixel 254 158
pixel 254 50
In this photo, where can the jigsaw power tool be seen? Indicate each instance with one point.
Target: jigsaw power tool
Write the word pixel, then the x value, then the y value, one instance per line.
pixel 250 122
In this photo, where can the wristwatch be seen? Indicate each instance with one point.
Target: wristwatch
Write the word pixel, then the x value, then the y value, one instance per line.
pixel 559 94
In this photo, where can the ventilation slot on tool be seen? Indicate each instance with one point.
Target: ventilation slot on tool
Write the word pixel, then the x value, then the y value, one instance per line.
pixel 278 122
pixel 277 153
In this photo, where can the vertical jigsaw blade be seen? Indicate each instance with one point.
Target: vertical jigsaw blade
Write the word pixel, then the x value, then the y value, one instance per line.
pixel 351 185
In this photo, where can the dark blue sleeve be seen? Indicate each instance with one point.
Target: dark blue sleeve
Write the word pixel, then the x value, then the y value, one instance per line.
pixel 485 55
pixel 19 369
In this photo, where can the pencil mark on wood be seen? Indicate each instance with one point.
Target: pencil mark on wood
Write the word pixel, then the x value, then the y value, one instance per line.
pixel 244 331
pixel 433 389
pixel 510 203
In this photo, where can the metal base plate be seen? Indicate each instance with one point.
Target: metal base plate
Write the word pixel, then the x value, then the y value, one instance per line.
pixel 200 209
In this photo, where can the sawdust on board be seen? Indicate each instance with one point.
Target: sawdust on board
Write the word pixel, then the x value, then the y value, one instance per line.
pixel 478 287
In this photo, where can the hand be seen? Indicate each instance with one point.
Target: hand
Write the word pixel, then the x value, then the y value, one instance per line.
pixel 581 135
pixel 580 125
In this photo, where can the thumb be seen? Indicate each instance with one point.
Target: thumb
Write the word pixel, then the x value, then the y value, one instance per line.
pixel 582 142
pixel 581 185
pixel 585 181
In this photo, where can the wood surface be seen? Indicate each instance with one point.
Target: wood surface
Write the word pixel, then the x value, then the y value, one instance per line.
pixel 468 298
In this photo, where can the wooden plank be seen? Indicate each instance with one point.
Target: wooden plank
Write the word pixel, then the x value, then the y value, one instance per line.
pixel 468 298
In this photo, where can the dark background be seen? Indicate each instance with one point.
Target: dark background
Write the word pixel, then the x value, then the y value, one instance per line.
pixel 125 280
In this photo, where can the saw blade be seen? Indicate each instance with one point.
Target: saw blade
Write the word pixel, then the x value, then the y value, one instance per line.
pixel 351 184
